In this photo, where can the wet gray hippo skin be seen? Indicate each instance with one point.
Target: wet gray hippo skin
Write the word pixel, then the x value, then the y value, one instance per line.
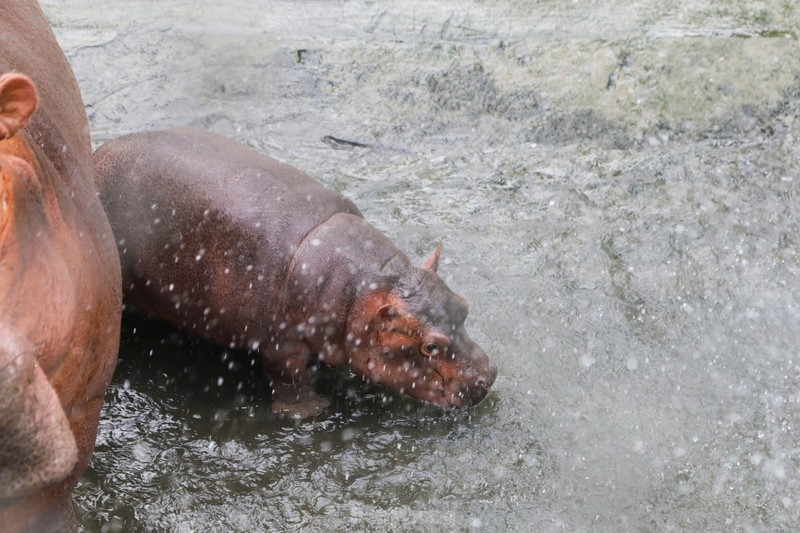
pixel 247 252
pixel 60 288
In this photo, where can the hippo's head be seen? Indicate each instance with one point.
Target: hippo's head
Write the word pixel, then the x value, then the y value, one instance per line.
pixel 410 337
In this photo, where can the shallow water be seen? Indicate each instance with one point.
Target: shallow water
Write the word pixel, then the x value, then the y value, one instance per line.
pixel 616 185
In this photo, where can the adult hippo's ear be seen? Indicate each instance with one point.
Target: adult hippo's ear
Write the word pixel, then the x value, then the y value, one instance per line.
pixel 432 261
pixel 17 103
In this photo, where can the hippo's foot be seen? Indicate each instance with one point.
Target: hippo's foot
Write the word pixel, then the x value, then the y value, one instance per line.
pixel 297 401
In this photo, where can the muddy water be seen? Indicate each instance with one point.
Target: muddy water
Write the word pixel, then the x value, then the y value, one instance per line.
pixel 616 184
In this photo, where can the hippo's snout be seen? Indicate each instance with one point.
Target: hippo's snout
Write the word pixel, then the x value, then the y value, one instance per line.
pixel 471 385
pixel 481 385
pixel 477 393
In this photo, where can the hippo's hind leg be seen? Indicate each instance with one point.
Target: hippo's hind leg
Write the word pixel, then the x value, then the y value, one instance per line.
pixel 289 366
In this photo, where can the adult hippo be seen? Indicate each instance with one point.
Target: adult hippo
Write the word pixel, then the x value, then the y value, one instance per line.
pixel 250 253
pixel 60 288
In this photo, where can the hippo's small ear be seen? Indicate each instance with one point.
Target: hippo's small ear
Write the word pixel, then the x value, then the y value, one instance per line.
pixel 17 103
pixel 432 261
pixel 386 311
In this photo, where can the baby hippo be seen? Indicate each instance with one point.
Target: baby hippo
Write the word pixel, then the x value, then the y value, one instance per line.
pixel 247 252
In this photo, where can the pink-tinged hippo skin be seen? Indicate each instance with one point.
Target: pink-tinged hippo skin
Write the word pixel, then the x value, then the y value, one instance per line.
pixel 247 252
pixel 60 284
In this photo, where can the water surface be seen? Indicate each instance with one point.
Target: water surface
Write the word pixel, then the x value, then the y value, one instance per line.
pixel 616 186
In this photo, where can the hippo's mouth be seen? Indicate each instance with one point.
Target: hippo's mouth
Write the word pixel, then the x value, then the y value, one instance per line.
pixel 431 387
pixel 431 390
pixel 440 391
pixel 437 394
pixel 457 395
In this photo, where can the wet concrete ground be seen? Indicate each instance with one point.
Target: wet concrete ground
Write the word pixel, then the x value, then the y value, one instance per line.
pixel 616 186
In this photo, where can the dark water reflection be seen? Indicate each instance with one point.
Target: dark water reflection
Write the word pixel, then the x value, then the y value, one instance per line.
pixel 193 443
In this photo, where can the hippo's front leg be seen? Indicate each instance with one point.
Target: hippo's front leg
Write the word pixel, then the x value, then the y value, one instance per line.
pixel 290 366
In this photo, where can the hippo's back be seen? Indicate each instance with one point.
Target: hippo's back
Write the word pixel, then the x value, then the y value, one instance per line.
pixel 218 173
pixel 206 227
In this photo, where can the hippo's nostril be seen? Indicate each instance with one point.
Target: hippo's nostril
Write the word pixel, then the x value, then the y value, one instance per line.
pixel 482 383
pixel 478 394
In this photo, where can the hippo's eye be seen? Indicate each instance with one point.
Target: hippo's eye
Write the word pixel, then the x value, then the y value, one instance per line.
pixel 430 349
